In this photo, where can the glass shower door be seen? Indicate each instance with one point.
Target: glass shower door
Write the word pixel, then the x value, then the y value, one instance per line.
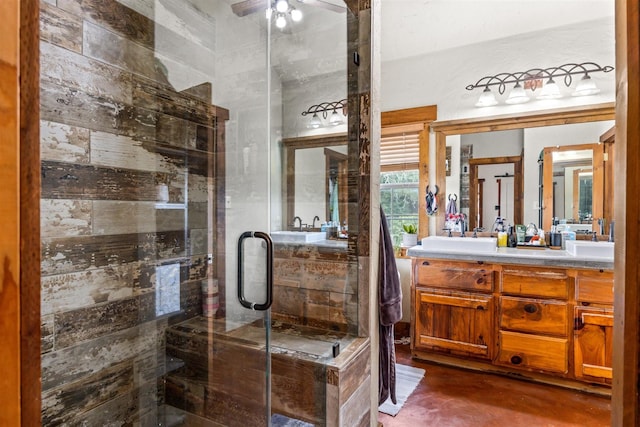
pixel 156 138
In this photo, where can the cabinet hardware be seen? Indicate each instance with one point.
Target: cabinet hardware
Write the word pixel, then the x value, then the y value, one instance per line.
pixel 480 307
pixel 530 308
pixel 578 324
pixel 516 360
pixel 425 263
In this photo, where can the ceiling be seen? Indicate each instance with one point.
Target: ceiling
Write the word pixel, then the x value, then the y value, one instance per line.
pixel 417 27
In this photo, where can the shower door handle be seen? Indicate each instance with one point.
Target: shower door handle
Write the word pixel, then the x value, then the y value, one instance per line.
pixel 269 245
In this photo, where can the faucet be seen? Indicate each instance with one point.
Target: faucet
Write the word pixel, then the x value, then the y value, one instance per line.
pixel 601 226
pixel 293 223
pixel 462 227
pixel 313 224
pixel 611 231
pixel 594 236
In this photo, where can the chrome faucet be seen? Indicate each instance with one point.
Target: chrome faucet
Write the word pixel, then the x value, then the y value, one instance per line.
pixel 313 224
pixel 293 223
pixel 611 233
pixel 462 226
pixel 601 226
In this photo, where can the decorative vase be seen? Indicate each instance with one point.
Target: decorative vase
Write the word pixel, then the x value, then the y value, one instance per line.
pixel 409 239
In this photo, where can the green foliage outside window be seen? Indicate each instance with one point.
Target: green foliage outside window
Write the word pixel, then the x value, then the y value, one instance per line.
pixel 399 197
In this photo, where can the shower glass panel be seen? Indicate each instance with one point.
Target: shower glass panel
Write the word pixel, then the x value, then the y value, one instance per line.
pixel 161 144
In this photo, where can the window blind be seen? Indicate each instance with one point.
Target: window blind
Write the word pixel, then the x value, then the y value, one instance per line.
pixel 400 147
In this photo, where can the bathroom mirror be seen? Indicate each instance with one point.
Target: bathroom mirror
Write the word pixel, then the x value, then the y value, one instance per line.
pixel 315 179
pixel 573 185
pixel 535 131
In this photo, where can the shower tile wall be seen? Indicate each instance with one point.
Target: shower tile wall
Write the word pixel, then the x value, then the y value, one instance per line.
pixel 124 210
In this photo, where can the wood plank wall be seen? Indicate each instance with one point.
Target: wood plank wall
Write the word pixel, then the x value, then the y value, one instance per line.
pixel 10 214
pixel 128 204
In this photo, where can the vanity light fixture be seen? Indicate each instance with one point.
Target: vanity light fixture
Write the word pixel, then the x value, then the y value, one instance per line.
pixel 338 110
pixel 532 80
pixel 281 9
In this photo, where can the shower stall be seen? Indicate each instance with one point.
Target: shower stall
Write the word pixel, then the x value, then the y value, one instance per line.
pixel 166 299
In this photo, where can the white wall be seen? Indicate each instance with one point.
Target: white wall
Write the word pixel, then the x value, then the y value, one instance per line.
pixel 453 181
pixel 490 190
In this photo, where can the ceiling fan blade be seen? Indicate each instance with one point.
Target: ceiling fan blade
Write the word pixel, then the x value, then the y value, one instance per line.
pixel 248 7
pixel 324 4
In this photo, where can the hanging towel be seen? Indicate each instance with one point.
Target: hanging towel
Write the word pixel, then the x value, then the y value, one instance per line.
pixel 390 312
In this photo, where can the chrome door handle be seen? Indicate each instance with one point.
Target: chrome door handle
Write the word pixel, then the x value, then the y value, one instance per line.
pixel 269 247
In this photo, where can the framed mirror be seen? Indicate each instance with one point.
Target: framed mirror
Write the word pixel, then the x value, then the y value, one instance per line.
pixel 315 180
pixel 573 185
pixel 548 128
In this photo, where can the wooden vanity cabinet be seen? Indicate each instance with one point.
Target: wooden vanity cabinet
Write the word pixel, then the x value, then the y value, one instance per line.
pixel 534 319
pixel 593 326
pixel 453 308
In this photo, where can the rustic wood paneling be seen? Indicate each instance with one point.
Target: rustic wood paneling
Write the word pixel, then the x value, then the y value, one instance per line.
pixel 60 28
pixel 61 404
pixel 63 143
pixel 75 326
pixel 114 16
pixel 65 218
pixel 72 254
pixel 135 217
pixel 72 364
pixel 73 70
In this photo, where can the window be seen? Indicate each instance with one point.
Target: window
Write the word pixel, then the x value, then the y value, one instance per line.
pixel 399 200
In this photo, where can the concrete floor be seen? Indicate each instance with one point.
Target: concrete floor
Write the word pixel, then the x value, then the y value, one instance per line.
pixel 452 397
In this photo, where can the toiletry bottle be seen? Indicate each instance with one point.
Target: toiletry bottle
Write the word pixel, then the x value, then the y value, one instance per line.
pixel 502 239
pixel 513 241
pixel 542 239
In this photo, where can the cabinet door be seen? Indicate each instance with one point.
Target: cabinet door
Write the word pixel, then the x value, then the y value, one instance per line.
pixel 454 322
pixel 593 344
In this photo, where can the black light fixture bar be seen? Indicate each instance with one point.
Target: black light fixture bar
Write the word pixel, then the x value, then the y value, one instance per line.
pixel 325 107
pixel 566 71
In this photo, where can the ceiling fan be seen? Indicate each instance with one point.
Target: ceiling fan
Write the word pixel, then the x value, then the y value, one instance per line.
pixel 247 7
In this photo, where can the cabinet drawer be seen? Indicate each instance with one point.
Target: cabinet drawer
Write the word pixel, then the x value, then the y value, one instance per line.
pixel 537 316
pixel 533 351
pixel 595 287
pixel 593 344
pixel 454 275
pixel 536 282
pixel 454 322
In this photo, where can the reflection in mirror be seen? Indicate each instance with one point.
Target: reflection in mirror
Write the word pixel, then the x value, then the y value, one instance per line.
pixel 315 180
pixel 573 185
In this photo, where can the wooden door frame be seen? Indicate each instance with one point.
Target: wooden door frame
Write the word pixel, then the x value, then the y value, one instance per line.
pixel 627 182
pixel 518 185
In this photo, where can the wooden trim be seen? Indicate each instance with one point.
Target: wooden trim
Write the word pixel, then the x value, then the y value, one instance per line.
pixel 426 114
pixel 560 116
pixel 10 310
pixel 626 332
pixel 30 253
pixel 609 136
pixel 475 217
pixel 410 117
pixel 441 181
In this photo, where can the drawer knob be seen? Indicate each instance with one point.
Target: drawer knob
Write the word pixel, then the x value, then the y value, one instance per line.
pixel 516 360
pixel 530 308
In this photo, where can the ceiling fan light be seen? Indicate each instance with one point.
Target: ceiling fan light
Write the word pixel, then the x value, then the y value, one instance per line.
pixel 550 91
pixel 281 22
pixel 315 122
pixel 296 15
pixel 487 98
pixel 585 87
pixel 282 6
pixel 517 95
pixel 335 119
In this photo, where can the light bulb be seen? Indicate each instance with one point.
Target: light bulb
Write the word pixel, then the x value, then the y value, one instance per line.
pixel 517 95
pixel 487 98
pixel 586 86
pixel 296 15
pixel 335 119
pixel 550 91
pixel 315 122
pixel 281 22
pixel 282 6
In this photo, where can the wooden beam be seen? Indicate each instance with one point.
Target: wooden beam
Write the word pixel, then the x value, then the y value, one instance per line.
pixel 247 7
pixel 423 181
pixel 10 214
pixel 30 212
pixel 626 332
pixel 407 116
pixel 561 116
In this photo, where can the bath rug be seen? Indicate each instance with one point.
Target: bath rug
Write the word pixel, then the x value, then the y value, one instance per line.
pixel 278 420
pixel 407 379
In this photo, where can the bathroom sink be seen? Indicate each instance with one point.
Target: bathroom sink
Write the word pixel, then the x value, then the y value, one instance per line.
pixel 586 248
pixel 298 236
pixel 460 244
